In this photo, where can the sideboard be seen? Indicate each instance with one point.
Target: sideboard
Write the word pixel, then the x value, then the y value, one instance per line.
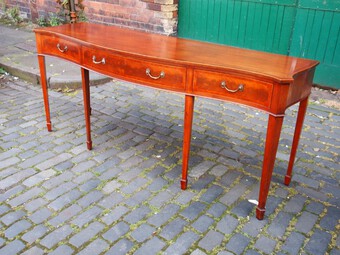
pixel 265 81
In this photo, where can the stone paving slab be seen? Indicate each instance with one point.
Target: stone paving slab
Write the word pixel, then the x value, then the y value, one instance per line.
pixel 124 196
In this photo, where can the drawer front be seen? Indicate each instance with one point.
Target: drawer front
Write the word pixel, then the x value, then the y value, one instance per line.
pixel 155 74
pixel 232 87
pixel 103 61
pixel 60 47
pixel 145 72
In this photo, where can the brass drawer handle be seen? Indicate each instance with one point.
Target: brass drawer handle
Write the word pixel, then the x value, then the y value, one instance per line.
pixel 61 50
pixel 148 73
pixel 98 62
pixel 224 86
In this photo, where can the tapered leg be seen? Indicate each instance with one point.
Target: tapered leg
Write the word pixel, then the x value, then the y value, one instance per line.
pixel 296 139
pixel 272 141
pixel 42 67
pixel 188 117
pixel 86 95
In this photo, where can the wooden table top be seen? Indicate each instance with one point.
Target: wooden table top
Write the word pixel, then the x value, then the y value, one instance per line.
pixel 275 67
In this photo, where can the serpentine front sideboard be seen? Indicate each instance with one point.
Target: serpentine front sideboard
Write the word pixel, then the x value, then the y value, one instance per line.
pixel 269 82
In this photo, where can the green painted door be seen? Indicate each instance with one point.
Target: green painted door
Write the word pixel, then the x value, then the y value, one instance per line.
pixel 303 28
pixel 316 35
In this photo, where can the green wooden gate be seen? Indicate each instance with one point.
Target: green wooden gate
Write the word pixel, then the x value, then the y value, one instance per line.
pixel 303 28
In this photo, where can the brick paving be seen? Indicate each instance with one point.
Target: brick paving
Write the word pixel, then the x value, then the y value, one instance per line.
pixel 124 196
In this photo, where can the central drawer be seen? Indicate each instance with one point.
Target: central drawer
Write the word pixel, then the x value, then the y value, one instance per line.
pixel 232 88
pixel 156 75
pixel 103 61
pixel 146 72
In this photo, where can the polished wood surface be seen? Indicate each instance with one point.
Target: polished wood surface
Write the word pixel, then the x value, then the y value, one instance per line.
pixel 42 67
pixel 266 81
pixel 297 133
pixel 180 51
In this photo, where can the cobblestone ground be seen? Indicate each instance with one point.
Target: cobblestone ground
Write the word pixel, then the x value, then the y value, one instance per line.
pixel 124 196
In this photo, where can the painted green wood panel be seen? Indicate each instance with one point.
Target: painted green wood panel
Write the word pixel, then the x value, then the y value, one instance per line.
pixel 304 28
pixel 330 5
pixel 250 24
pixel 317 36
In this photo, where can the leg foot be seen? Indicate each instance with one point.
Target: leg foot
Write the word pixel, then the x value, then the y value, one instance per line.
pixel 89 145
pixel 49 126
pixel 287 180
pixel 260 213
pixel 184 184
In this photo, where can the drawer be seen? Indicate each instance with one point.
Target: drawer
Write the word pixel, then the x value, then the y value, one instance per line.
pixel 156 75
pixel 103 61
pixel 232 87
pixel 60 47
pixel 145 72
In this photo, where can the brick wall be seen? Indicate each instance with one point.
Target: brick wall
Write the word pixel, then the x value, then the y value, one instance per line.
pixel 159 16
pixel 32 9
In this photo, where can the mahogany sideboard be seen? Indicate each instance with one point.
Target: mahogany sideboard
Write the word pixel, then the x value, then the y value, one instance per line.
pixel 265 81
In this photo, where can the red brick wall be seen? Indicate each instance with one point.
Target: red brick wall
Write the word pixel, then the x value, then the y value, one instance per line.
pixel 32 9
pixel 158 16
